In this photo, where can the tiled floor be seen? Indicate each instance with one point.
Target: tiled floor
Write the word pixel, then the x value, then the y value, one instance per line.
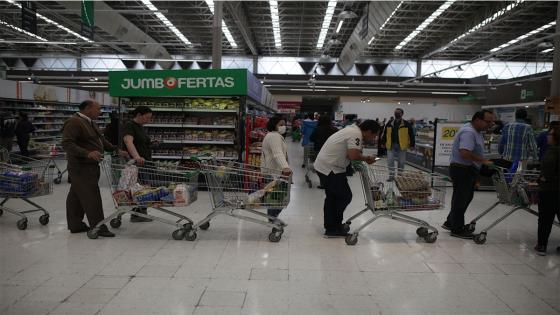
pixel 233 269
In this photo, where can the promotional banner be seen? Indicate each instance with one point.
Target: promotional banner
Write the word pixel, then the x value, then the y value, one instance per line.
pixel 445 134
pixel 215 82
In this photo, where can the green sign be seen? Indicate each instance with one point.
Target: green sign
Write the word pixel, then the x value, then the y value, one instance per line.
pixel 527 94
pixel 214 82
pixel 467 98
pixel 87 13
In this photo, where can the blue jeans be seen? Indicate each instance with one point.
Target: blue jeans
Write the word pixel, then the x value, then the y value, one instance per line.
pixel 397 153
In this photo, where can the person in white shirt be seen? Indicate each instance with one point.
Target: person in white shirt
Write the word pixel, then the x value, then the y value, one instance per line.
pixel 341 148
pixel 274 153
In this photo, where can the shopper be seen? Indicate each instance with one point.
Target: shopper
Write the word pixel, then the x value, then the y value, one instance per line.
pixel 342 147
pixel 7 130
pixel 549 189
pixel 24 128
pixel 307 128
pixel 112 129
pixel 518 142
pixel 466 160
pixel 542 139
pixel 84 146
pixel 274 154
pixel 324 130
pixel 398 137
pixel 137 144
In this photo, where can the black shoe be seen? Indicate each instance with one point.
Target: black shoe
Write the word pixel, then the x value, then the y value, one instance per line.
pixel 83 228
pixel 345 228
pixel 541 250
pixel 320 187
pixel 104 231
pixel 135 218
pixel 335 234
pixel 446 226
pixel 462 233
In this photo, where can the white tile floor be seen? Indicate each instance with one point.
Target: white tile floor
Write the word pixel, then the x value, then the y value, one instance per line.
pixel 233 269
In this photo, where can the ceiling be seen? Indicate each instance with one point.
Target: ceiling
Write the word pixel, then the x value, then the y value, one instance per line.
pixel 300 24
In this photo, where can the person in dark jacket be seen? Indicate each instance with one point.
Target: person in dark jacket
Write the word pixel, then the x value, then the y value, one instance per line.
pixel 549 189
pixel 542 139
pixel 23 130
pixel 397 138
pixel 324 130
pixel 7 130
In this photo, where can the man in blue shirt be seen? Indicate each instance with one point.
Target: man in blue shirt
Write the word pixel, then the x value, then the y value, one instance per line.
pixel 466 159
pixel 518 142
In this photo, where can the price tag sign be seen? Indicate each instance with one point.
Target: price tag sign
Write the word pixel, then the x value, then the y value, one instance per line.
pixel 448 133
pixel 445 135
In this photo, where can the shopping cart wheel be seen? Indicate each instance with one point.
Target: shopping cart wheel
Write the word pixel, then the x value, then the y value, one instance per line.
pixel 92 234
pixel 430 237
pixel 351 239
pixel 178 234
pixel 57 180
pixel 115 223
pixel 422 231
pixel 346 227
pixel 205 226
pixel 22 224
pixel 471 227
pixel 44 219
pixel 480 238
pixel 275 236
pixel 191 236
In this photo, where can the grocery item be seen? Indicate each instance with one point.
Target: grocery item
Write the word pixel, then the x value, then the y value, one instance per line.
pixel 122 197
pixel 180 195
pixel 128 178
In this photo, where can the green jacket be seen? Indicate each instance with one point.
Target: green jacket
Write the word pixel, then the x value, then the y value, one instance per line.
pixel 550 170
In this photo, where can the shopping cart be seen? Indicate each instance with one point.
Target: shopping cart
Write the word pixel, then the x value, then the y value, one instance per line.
pixel 308 159
pixel 153 186
pixel 56 154
pixel 517 189
pixel 390 198
pixel 237 187
pixel 24 178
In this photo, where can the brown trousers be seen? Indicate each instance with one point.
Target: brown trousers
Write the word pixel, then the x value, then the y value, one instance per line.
pixel 84 196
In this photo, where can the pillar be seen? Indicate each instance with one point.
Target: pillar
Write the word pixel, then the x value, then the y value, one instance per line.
pixel 217 35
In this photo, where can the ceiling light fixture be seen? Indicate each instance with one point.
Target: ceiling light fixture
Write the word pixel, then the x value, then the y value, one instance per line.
pixel 347 14
pixel 308 90
pixel 546 51
pixel 480 25
pixel 333 87
pixel 450 93
pixel 378 91
pixel 339 26
pixel 225 29
pixel 386 21
pixel 425 24
pixel 166 22
pixel 326 23
pixel 524 36
pixel 275 23
pixel 22 31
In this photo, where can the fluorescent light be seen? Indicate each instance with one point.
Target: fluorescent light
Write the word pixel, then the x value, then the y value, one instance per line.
pixel 225 29
pixel 90 82
pixel 386 21
pixel 326 23
pixel 425 24
pixel 524 36
pixel 22 31
pixel 308 90
pixel 62 27
pixel 333 87
pixel 480 25
pixel 274 16
pixel 166 22
pixel 546 51
pixel 339 25
pixel 450 93
pixel 94 86
pixel 378 91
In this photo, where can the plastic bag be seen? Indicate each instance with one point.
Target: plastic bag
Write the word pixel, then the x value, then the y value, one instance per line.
pixel 129 177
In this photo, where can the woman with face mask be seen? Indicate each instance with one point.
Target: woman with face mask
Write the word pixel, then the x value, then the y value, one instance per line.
pixel 274 152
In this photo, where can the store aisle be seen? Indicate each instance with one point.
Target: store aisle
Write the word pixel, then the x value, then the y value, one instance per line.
pixel 233 269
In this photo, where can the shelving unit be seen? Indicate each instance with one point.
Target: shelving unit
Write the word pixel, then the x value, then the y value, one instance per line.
pixel 48 117
pixel 191 121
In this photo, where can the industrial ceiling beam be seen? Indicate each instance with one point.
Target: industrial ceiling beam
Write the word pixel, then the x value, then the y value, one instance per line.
pixel 236 10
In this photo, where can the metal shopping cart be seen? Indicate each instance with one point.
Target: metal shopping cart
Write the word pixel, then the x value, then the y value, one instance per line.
pixel 56 154
pixel 308 159
pixel 24 178
pixel 153 186
pixel 408 191
pixel 518 189
pixel 237 187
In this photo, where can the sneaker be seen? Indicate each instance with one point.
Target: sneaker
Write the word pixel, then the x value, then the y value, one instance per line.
pixel 541 250
pixel 335 234
pixel 462 233
pixel 446 226
pixel 345 228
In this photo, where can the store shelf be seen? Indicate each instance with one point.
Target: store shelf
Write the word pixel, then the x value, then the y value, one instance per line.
pixel 162 109
pixel 43 137
pixel 195 142
pixel 180 157
pixel 48 130
pixel 168 157
pixel 190 126
pixel 202 110
pixel 164 125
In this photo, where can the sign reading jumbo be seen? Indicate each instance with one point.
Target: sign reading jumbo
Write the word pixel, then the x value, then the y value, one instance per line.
pixel 228 82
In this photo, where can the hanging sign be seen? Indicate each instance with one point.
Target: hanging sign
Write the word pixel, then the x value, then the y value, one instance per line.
pixel 88 19
pixel 29 16
pixel 444 137
pixel 214 82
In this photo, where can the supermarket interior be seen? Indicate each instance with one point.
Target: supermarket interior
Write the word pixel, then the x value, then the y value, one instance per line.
pixel 279 157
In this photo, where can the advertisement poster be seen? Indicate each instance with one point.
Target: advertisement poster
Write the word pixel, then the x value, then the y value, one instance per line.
pixel 445 134
pixel 339 116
